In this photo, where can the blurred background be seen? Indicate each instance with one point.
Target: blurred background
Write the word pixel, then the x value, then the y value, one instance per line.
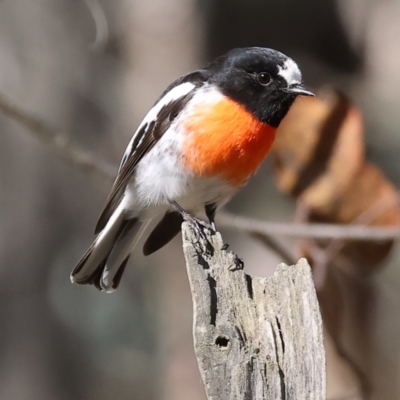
pixel 92 69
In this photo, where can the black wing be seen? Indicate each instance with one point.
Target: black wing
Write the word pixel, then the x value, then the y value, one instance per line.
pixel 144 140
pixel 163 233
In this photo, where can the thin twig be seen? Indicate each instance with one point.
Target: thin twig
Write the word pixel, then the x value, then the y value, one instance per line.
pixel 329 252
pixel 274 245
pixel 57 139
pixel 317 231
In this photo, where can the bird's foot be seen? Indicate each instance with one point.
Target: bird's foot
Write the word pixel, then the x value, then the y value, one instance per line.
pixel 225 246
pixel 237 265
pixel 198 226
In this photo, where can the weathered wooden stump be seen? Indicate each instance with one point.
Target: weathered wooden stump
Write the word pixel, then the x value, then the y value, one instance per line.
pixel 254 338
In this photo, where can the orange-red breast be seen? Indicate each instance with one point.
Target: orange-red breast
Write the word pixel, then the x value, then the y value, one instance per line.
pixel 198 145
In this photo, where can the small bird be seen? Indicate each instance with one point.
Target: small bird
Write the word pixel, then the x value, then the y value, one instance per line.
pixel 196 147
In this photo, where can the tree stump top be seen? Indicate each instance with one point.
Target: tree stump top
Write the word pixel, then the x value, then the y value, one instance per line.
pixel 255 338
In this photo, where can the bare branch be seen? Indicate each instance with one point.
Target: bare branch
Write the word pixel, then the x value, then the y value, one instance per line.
pixel 274 245
pixel 71 153
pixel 57 139
pixel 324 254
pixel 317 231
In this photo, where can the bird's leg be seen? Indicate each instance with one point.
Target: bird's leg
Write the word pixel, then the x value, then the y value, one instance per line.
pixel 195 222
pixel 210 209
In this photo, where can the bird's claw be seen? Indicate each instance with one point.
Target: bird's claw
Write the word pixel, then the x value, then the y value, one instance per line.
pixel 237 265
pixel 198 226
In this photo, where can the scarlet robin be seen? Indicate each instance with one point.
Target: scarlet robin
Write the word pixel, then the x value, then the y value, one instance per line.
pixel 197 146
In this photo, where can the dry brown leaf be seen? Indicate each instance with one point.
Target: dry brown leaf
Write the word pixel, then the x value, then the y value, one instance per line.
pixel 319 148
pixel 319 158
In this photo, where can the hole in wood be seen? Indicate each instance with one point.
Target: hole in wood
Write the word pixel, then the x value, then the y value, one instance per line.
pixel 222 341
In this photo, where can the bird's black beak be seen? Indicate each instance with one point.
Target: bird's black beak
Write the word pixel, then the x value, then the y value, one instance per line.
pixel 300 90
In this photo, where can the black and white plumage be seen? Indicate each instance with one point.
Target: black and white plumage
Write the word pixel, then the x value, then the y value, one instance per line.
pixel 154 175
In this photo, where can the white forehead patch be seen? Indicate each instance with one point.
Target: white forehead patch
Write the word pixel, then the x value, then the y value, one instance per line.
pixel 290 72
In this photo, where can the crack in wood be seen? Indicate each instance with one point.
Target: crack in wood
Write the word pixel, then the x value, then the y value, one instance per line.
pixel 249 282
pixel 280 334
pixel 283 384
pixel 213 299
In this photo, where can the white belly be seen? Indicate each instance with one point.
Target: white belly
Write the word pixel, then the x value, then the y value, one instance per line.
pixel 160 179
pixel 160 176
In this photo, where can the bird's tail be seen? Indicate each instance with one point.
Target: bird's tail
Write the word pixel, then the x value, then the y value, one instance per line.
pixel 104 262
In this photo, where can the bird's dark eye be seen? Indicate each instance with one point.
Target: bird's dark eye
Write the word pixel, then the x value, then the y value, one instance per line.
pixel 264 78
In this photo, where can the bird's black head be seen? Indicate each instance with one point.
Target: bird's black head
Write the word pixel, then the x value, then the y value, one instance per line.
pixel 265 81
